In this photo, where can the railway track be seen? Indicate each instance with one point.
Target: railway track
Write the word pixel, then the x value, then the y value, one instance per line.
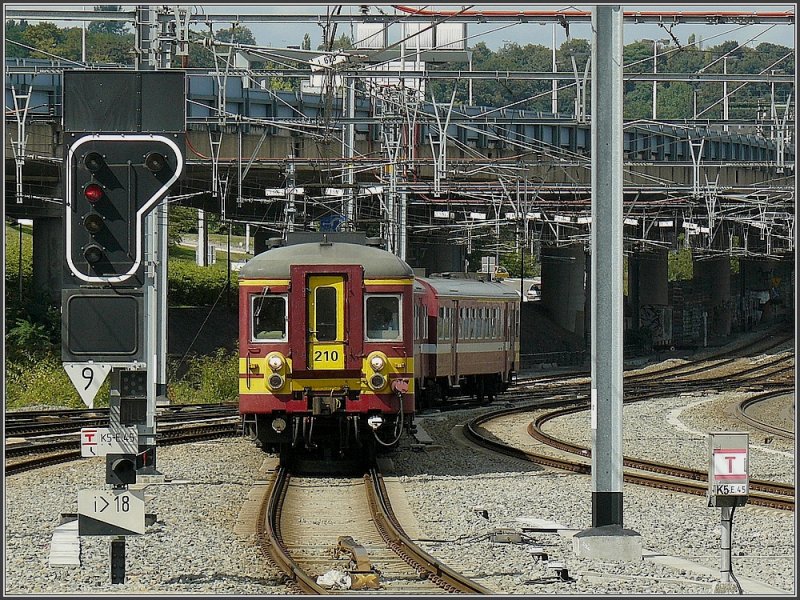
pixel 747 405
pixel 721 359
pixel 768 373
pixel 64 421
pixel 304 542
pixel 27 456
pixel 637 471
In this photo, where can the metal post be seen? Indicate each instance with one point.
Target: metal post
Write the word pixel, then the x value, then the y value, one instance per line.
pixel 19 265
pixel 655 68
pixel 725 93
pixel 350 194
pixel 726 522
pixel 554 99
pixel 201 252
pixel 118 559
pixel 607 330
pixel 154 334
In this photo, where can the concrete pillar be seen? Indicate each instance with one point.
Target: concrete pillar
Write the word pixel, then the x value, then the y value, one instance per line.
pixel 648 280
pixel 712 276
pixel 48 257
pixel 767 287
pixel 563 286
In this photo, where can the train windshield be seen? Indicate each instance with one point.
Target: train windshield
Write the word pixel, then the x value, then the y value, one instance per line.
pixel 269 317
pixel 383 317
pixel 326 314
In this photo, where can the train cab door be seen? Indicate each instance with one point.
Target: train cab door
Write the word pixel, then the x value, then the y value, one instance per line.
pixel 325 327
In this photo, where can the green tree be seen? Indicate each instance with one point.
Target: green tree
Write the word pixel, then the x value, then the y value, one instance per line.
pixel 306 45
pixel 46 38
pixel 108 27
pixel 14 33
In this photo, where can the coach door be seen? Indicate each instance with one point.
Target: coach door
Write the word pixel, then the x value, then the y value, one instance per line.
pixel 326 309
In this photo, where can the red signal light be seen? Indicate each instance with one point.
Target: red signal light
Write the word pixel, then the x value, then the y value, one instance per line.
pixel 93 192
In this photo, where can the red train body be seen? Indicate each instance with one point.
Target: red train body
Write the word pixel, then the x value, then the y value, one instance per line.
pixel 340 343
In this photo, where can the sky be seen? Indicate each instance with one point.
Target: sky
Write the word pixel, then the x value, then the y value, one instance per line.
pixel 291 34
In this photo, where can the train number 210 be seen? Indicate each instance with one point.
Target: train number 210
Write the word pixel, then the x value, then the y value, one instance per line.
pixel 326 355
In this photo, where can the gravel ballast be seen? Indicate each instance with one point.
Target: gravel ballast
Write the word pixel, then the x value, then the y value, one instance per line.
pixel 192 548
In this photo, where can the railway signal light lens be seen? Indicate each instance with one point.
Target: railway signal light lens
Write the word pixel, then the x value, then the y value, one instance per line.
pixel 94 223
pixel 155 162
pixel 93 254
pixel 93 193
pixel 93 162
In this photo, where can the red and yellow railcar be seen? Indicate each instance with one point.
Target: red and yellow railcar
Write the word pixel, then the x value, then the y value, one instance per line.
pixel 340 344
pixel 326 347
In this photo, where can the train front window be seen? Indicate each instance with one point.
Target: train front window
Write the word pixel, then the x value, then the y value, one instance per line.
pixel 269 318
pixel 325 302
pixel 383 317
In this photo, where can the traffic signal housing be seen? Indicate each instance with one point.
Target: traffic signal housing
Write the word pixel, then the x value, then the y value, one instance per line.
pixel 112 182
pixel 120 469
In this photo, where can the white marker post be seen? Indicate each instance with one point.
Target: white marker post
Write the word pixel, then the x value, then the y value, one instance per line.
pixel 728 486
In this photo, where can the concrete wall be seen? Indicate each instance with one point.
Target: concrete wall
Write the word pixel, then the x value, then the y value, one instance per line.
pixel 563 286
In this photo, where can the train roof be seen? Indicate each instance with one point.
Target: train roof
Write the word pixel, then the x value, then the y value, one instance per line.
pixel 276 263
pixel 445 286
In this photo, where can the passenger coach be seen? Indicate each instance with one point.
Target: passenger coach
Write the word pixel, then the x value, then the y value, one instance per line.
pixel 326 347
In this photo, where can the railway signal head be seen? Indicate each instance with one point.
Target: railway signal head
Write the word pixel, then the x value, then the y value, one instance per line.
pixel 112 182
pixel 120 469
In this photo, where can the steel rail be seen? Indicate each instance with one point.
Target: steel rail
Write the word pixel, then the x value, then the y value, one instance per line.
pixel 397 540
pixel 271 542
pixel 741 412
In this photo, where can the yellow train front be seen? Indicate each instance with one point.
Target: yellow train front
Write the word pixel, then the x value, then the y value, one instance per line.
pixel 326 348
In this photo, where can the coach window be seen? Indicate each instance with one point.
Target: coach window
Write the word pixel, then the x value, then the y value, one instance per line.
pixel 383 317
pixel 269 317
pixel 325 306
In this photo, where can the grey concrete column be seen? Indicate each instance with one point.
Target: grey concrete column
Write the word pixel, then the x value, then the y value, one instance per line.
pixel 648 279
pixel 606 539
pixel 713 277
pixel 563 286
pixel 607 314
pixel 48 256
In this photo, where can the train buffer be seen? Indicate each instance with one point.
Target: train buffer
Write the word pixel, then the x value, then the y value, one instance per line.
pixel 362 574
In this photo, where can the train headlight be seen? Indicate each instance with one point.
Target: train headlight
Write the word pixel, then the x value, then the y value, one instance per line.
pixel 377 381
pixel 377 362
pixel 375 421
pixel 275 381
pixel 275 362
pixel 278 424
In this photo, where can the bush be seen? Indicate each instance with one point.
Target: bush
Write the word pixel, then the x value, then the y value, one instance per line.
pixel 191 285
pixel 44 382
pixel 208 379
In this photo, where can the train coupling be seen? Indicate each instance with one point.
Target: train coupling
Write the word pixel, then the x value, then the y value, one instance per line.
pixel 362 574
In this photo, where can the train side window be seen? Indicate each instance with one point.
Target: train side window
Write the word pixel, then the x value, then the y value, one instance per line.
pixel 269 317
pixel 383 317
pixel 325 306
